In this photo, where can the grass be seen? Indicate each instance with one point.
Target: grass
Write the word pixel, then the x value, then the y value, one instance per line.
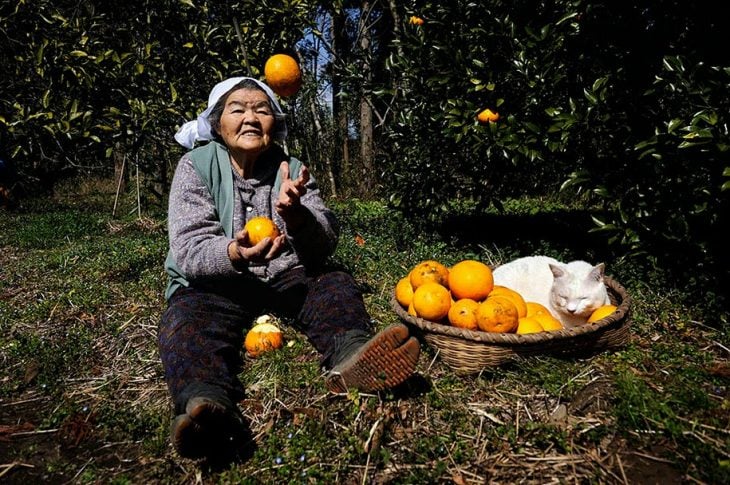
pixel 82 398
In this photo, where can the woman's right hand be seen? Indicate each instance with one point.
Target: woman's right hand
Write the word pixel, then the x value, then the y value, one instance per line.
pixel 241 252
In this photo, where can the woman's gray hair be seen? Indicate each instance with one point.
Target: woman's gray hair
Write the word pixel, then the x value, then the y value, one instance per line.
pixel 214 118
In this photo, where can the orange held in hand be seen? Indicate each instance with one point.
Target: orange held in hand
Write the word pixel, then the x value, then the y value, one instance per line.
pixel 487 116
pixel 260 228
pixel 470 279
pixel 263 337
pixel 283 74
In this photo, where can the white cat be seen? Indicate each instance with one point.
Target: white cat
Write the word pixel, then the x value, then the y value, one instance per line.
pixel 571 291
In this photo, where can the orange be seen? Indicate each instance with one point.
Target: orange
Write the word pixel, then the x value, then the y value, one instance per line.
pixel 487 116
pixel 404 292
pixel 601 312
pixel 534 307
pixel 415 20
pixel 263 337
pixel 470 279
pixel 411 310
pixel 431 301
pixel 497 314
pixel 463 314
pixel 528 325
pixel 547 321
pixel 512 295
pixel 429 271
pixel 259 228
pixel 283 74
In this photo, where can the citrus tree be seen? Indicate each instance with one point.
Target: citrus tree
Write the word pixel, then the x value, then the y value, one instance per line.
pixel 89 82
pixel 624 103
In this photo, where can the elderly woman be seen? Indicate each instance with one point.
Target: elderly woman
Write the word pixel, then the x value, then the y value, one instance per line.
pixel 219 281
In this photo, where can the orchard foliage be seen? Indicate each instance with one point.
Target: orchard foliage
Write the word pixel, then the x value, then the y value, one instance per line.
pixel 626 104
pixel 623 103
pixel 85 81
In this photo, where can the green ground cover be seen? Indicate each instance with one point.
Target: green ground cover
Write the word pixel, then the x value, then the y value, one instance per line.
pixel 82 398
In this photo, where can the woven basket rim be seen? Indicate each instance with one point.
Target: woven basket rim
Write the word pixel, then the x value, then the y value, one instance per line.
pixel 615 319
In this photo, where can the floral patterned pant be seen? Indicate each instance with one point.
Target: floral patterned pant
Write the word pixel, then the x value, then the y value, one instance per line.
pixel 201 332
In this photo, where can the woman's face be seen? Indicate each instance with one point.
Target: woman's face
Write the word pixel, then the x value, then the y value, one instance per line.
pixel 247 122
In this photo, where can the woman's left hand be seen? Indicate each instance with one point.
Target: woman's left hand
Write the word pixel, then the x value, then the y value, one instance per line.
pixel 289 206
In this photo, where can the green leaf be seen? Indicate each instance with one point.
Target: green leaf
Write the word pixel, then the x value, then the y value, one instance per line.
pixel 673 124
pixel 78 53
pixel 590 96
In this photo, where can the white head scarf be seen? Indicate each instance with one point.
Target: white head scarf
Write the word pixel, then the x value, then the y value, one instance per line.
pixel 199 129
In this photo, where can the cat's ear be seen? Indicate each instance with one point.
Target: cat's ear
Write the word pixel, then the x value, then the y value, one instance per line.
pixel 598 271
pixel 558 271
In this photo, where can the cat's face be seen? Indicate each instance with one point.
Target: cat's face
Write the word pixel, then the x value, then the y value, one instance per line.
pixel 577 291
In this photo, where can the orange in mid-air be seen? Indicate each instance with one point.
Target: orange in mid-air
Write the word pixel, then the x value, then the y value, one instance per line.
pixel 259 228
pixel 283 74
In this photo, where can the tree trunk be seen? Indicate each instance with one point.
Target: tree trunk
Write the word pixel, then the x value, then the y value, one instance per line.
pixel 339 112
pixel 318 142
pixel 367 169
pixel 120 172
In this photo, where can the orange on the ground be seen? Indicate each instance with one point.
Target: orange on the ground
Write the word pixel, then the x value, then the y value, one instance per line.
pixel 263 337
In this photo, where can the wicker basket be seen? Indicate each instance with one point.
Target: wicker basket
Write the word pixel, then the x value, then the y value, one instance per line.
pixel 469 352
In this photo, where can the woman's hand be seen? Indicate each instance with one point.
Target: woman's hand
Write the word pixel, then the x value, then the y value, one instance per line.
pixel 289 205
pixel 242 253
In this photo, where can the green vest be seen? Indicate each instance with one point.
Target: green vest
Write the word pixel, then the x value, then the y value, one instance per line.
pixel 212 164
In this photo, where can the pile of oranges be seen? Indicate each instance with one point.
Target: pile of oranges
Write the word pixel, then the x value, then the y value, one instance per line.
pixel 465 296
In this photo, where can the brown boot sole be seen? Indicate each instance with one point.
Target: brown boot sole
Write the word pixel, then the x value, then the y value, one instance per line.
pixel 385 361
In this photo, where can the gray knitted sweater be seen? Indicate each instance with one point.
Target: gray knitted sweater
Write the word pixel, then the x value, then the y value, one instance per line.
pixel 197 240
